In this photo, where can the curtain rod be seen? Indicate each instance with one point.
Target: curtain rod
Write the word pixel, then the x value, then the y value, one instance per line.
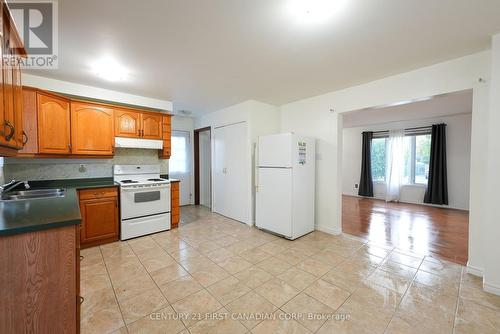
pixel 407 129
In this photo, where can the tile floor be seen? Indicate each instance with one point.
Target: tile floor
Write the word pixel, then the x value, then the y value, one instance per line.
pixel 215 275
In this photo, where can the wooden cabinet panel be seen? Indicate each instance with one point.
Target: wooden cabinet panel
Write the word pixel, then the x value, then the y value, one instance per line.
pixel 166 136
pixel 151 126
pixel 92 129
pixel 100 218
pixel 17 90
pixel 30 123
pixel 53 124
pixel 127 123
pixel 174 205
pixel 8 88
pixel 39 281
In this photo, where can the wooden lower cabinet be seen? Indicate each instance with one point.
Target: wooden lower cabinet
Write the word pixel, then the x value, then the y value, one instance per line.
pixel 39 281
pixel 100 218
pixel 174 204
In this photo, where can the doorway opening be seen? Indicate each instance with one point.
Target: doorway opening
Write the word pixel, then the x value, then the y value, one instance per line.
pixel 394 213
pixel 203 167
pixel 180 164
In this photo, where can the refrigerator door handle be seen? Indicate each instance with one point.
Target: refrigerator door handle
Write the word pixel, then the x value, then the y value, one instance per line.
pixel 256 178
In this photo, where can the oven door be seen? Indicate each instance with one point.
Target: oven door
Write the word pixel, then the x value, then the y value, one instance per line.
pixel 144 201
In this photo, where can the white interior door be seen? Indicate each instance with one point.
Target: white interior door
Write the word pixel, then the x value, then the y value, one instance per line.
pixel 231 186
pixel 179 164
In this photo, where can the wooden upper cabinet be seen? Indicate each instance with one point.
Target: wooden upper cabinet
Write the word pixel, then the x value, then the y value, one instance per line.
pixel 127 123
pixel 92 131
pixel 167 134
pixel 30 123
pixel 53 124
pixel 17 90
pixel 9 121
pixel 151 126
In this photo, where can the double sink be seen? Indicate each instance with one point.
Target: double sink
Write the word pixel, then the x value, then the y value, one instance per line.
pixel 32 194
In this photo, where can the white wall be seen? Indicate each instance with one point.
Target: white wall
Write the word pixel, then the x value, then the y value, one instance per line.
pixel 492 218
pixel 458 133
pixel 261 119
pixel 205 170
pixel 313 117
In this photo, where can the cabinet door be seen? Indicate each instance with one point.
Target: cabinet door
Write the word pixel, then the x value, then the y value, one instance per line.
pixel 53 125
pixel 99 219
pixel 3 128
pixel 8 125
pixel 151 126
pixel 91 129
pixel 17 90
pixel 30 123
pixel 167 134
pixel 127 123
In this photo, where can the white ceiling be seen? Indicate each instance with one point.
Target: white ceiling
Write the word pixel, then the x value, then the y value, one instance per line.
pixel 436 106
pixel 207 54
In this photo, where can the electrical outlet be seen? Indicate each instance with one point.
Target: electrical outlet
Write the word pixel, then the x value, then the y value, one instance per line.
pixel 82 168
pixel 356 186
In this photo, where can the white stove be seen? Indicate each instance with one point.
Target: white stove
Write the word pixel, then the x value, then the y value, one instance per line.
pixel 144 200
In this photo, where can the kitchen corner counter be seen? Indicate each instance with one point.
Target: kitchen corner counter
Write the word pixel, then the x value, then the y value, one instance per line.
pixel 46 213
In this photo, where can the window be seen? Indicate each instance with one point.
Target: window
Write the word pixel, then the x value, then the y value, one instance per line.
pixel 416 157
pixel 378 159
pixel 178 162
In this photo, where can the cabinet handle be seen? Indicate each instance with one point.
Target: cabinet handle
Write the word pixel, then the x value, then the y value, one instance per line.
pixel 25 136
pixel 82 300
pixel 12 131
pixel 81 257
pixel 69 147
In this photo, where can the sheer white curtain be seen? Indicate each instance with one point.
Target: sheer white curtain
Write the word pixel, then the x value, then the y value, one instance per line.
pixel 395 165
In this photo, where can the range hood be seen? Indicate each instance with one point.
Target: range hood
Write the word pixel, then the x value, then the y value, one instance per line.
pixel 138 143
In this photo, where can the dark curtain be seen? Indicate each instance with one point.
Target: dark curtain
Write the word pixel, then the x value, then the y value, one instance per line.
pixel 437 186
pixel 366 181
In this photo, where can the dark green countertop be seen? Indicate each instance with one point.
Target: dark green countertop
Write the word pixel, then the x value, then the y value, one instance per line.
pixel 41 214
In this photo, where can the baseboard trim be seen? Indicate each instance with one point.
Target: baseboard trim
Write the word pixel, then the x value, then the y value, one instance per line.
pixel 329 230
pixel 491 288
pixel 474 270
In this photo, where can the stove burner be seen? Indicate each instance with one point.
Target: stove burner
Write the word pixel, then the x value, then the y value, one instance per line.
pixel 156 180
pixel 129 181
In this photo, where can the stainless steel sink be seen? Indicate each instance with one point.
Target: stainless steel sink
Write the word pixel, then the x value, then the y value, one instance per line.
pixel 32 194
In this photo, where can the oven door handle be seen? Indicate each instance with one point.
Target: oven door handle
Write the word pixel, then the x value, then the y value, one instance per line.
pixel 145 189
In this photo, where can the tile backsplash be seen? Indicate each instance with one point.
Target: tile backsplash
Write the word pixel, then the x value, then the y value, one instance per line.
pixel 52 169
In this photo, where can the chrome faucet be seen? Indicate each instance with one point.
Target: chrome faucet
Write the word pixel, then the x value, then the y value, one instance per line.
pixel 11 185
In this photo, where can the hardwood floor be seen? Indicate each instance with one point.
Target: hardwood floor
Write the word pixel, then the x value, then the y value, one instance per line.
pixel 417 228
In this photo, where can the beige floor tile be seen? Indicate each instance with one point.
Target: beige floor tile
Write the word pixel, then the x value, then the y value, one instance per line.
pixel 196 264
pixel 315 267
pixel 329 257
pixel 228 290
pixel 104 320
pixel 210 275
pixel 95 300
pixel 220 323
pixel 272 248
pixel 347 276
pixel 157 261
pixel 277 291
pixel 168 274
pixel 273 265
pixel 327 293
pixel 251 309
pixel 403 326
pixel 472 290
pixel 234 264
pixel 184 254
pixel 297 278
pixel 119 270
pixel 372 249
pixel 93 283
pixel 142 244
pixel 390 281
pixel 310 312
pixel 280 324
pixel 196 306
pixel 206 247
pixel 180 288
pixel 141 305
pixel 291 256
pixel 438 283
pixel 92 270
pixel 129 287
pixel 239 247
pixel 476 318
pixel 219 255
pixel 253 277
pixel 255 255
pixel 443 268
pixel 122 330
pixel 225 240
pixel 398 269
pixel 407 260
pixel 160 322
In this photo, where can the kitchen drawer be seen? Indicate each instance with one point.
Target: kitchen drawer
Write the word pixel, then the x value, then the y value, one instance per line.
pixel 98 193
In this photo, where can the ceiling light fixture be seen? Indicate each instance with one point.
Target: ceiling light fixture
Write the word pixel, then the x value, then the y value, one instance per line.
pixel 315 11
pixel 109 69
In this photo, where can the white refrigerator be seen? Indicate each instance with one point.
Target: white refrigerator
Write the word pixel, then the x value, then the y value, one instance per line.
pixel 285 184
